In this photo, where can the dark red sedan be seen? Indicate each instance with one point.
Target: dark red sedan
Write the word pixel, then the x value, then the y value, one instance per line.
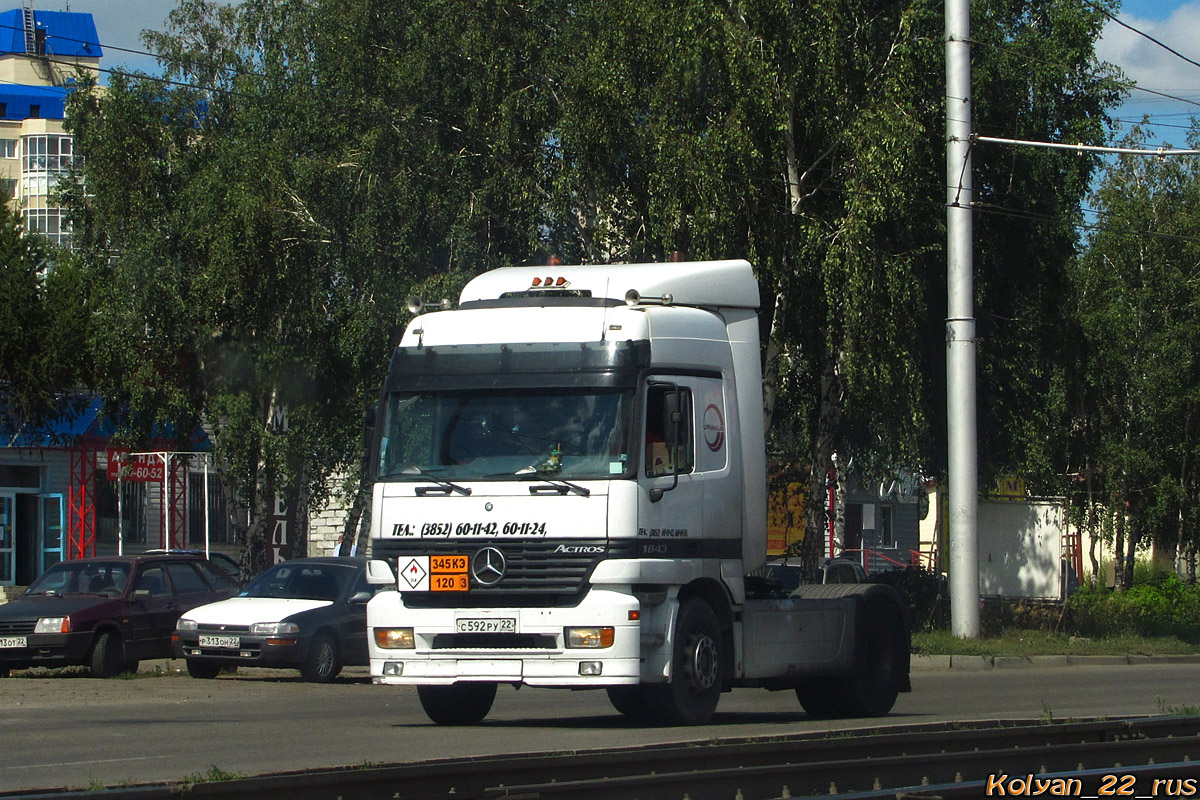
pixel 106 613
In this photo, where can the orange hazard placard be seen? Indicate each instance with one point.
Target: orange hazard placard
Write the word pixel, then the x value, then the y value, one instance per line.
pixel 448 564
pixel 455 582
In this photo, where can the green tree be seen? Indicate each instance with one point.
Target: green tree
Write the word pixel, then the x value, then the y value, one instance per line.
pixel 256 225
pixel 1138 303
pixel 808 137
pixel 43 324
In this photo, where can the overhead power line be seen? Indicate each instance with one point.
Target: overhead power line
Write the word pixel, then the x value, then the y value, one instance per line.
pixel 1143 34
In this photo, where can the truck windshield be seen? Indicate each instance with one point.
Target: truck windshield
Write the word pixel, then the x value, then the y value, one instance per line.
pixel 506 434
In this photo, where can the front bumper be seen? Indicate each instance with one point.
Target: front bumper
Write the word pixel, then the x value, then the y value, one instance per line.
pixel 534 654
pixel 252 651
pixel 48 650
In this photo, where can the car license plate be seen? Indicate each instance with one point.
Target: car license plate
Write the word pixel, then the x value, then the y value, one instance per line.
pixel 12 641
pixel 220 641
pixel 500 625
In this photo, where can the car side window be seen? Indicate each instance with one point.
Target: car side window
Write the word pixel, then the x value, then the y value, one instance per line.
pixel 186 579
pixel 152 579
pixel 217 579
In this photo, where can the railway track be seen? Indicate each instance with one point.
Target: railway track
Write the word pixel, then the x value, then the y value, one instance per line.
pixel 1140 757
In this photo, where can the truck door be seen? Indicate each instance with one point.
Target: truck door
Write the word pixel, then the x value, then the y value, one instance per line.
pixel 677 465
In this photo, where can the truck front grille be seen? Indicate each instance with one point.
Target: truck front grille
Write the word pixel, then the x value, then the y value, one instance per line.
pixel 538 573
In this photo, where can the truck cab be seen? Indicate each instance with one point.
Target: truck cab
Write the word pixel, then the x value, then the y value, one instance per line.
pixel 570 488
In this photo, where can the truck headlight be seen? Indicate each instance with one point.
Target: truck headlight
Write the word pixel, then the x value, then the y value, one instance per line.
pixel 53 625
pixel 275 629
pixel 185 624
pixel 395 638
pixel 589 637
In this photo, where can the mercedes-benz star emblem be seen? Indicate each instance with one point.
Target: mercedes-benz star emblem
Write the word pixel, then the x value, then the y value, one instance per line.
pixel 488 566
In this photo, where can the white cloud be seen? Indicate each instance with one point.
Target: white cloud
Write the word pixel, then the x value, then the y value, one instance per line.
pixel 1148 64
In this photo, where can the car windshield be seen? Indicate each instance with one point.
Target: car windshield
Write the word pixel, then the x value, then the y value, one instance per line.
pixel 83 577
pixel 301 582
pixel 509 434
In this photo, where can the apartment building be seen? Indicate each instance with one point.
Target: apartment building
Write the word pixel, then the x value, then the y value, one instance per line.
pixel 41 55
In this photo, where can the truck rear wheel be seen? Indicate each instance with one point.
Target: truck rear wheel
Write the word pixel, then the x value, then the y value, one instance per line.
pixel 457 704
pixel 822 698
pixel 691 696
pixel 871 689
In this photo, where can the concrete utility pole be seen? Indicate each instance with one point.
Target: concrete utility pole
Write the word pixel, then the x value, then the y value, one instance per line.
pixel 960 328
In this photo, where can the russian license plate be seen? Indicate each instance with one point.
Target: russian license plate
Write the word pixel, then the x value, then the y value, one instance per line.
pixel 499 625
pixel 12 641
pixel 220 641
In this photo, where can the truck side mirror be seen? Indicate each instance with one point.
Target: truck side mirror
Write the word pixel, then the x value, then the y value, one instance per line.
pixel 379 573
pixel 672 419
pixel 673 436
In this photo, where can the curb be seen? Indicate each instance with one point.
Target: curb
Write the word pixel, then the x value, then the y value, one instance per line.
pixel 925 663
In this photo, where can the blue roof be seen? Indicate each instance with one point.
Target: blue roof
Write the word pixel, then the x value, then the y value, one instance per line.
pixel 18 100
pixel 80 421
pixel 68 33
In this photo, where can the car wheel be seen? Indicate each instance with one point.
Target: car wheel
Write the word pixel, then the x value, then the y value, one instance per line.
pixel 130 667
pixel 458 703
pixel 199 669
pixel 107 658
pixel 323 662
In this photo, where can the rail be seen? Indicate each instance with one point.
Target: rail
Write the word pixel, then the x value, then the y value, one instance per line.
pixel 916 761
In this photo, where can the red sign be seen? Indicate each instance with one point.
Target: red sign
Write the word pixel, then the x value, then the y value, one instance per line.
pixel 138 469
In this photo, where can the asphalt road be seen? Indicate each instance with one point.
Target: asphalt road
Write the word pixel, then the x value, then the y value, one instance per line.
pixel 73 731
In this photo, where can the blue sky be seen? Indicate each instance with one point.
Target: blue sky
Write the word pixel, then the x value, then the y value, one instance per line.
pixel 1173 22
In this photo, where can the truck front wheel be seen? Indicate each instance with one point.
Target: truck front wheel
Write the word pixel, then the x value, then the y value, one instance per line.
pixel 458 703
pixel 630 701
pixel 691 696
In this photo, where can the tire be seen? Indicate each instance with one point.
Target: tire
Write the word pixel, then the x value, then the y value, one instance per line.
pixel 323 661
pixel 106 660
pixel 130 667
pixel 631 702
pixel 203 670
pixel 691 696
pixel 457 704
pixel 872 688
pixel 823 698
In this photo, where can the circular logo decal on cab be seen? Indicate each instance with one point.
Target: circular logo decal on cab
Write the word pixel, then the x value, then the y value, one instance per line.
pixel 714 428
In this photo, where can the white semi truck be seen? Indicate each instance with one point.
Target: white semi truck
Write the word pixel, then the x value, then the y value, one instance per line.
pixel 570 491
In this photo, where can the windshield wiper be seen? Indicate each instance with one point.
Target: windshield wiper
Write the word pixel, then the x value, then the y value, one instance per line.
pixel 530 474
pixel 442 482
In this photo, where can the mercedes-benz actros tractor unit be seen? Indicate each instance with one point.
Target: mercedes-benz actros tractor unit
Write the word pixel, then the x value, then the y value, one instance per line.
pixel 570 491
